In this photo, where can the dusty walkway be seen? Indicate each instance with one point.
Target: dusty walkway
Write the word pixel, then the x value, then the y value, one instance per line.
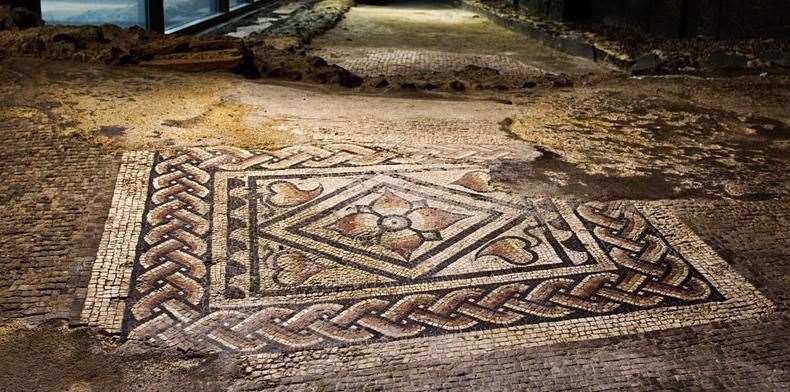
pixel 416 37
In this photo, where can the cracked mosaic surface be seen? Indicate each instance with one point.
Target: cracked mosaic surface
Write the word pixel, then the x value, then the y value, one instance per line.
pixel 320 246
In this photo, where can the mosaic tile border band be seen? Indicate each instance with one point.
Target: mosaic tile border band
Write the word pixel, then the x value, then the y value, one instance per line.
pixel 742 300
pixel 108 287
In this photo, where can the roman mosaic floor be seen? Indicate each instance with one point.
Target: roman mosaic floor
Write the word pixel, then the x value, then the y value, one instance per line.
pixel 315 247
pixel 168 231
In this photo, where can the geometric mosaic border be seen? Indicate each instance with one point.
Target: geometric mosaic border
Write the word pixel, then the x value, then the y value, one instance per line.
pixel 566 309
pixel 109 283
pixel 746 303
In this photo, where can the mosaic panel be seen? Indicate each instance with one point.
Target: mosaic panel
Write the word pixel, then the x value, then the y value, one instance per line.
pixel 310 247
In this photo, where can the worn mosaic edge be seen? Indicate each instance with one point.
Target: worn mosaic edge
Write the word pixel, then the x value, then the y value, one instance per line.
pixel 744 301
pixel 109 283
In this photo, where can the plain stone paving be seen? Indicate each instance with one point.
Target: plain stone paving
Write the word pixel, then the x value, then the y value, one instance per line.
pixel 417 38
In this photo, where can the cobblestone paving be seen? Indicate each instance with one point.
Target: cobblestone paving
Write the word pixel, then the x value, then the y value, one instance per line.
pixel 399 62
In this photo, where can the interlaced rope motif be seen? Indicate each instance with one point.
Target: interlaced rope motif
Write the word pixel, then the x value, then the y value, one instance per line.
pixel 170 301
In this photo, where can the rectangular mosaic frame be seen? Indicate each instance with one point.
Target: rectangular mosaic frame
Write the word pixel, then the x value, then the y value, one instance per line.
pixel 740 299
pixel 220 258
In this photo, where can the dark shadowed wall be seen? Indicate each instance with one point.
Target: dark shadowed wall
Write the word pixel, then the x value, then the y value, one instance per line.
pixel 32 5
pixel 677 18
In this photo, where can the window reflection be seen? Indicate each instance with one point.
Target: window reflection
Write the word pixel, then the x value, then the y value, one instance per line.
pixel 181 12
pixel 128 13
pixel 78 12
pixel 236 3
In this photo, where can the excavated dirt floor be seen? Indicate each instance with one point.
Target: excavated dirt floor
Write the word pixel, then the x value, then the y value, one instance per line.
pixel 684 133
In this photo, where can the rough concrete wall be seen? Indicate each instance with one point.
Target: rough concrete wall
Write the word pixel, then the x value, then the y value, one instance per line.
pixel 555 9
pixel 662 18
pixel 667 18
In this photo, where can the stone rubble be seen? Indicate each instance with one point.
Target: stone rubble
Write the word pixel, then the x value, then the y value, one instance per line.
pixel 112 45
pixel 279 54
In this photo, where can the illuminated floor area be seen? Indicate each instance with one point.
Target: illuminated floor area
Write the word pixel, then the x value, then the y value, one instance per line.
pixel 417 37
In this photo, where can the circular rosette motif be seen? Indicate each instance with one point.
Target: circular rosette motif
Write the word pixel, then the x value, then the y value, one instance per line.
pixel 396 223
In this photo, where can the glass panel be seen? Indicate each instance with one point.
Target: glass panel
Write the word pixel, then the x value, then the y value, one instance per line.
pixel 76 12
pixel 236 3
pixel 180 12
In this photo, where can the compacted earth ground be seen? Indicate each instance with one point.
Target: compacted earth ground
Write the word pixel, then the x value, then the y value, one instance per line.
pixel 573 228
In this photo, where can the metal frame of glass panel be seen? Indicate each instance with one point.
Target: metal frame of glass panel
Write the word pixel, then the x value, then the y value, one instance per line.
pixel 155 14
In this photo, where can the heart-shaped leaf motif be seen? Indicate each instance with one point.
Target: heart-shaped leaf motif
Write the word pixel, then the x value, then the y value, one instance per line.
pixel 478 181
pixel 513 250
pixel 294 268
pixel 287 194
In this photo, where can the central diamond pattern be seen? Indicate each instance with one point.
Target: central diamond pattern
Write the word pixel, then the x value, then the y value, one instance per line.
pixel 390 225
pixel 361 231
pixel 396 223
pixel 394 226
